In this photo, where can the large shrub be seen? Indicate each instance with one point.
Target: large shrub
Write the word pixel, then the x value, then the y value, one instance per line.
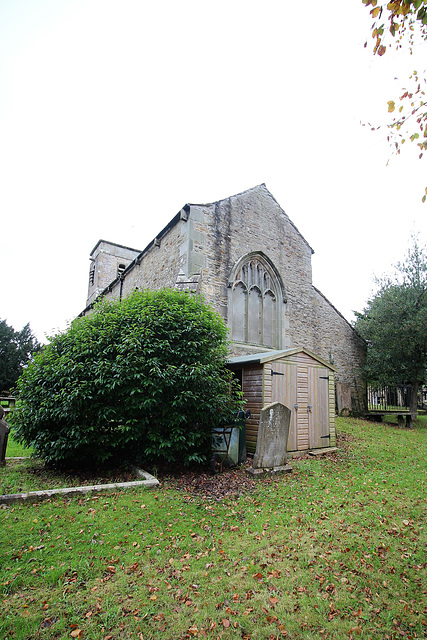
pixel 141 378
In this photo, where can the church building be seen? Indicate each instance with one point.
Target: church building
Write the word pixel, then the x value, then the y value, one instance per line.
pixel 246 257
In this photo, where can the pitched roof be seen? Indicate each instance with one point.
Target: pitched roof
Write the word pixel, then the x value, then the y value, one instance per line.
pixel 271 356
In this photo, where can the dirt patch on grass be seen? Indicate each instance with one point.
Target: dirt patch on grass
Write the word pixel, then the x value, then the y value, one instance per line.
pixel 198 481
pixel 80 477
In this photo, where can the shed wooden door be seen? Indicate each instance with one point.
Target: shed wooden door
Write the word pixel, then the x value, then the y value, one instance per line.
pixel 318 408
pixel 285 382
pixel 305 390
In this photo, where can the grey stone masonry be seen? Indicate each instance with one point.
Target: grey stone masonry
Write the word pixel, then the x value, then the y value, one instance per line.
pixel 246 257
pixel 108 263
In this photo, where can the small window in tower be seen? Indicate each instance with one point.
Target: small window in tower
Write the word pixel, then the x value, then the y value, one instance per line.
pixel 92 275
pixel 120 269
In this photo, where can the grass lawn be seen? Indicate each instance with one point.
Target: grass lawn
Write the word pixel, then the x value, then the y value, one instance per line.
pixel 31 475
pixel 14 449
pixel 334 550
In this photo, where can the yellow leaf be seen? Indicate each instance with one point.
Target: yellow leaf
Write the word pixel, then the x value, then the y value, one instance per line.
pixel 391 106
pixel 375 11
pixel 76 633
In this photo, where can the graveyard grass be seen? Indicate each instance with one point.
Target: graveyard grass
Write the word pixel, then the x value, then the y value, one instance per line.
pixel 334 550
pixel 14 449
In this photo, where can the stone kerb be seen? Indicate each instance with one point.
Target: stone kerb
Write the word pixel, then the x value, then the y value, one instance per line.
pixel 273 431
pixel 149 482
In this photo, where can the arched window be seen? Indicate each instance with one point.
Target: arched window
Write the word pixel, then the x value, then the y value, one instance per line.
pixel 256 298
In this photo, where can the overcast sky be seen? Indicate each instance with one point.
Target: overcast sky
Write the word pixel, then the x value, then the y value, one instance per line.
pixel 113 115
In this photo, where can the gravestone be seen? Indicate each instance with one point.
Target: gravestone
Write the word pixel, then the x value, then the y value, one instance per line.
pixel 4 433
pixel 273 431
pixel 343 397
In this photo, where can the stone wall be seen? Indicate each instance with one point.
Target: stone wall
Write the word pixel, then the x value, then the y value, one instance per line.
pixel 108 260
pixel 161 262
pixel 254 222
pixel 335 340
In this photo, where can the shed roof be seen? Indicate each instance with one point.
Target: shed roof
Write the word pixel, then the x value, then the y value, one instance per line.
pixel 271 356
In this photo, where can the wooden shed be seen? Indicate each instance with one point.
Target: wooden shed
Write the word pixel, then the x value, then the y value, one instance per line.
pixel 300 380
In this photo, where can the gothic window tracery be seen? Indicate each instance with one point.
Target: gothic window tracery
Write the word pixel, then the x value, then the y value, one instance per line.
pixel 256 297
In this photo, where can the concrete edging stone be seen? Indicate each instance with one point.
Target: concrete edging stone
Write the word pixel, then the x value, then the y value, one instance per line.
pixel 149 482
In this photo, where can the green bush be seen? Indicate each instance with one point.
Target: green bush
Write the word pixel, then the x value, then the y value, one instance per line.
pixel 141 378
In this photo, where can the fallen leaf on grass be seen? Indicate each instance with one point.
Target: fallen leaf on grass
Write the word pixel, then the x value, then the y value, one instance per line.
pixel 77 633
pixel 225 623
pixel 48 622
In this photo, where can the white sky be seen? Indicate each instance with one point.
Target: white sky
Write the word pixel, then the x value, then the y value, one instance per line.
pixel 113 115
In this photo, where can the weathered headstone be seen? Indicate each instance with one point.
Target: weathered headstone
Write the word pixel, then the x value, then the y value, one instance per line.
pixel 273 431
pixel 4 433
pixel 343 396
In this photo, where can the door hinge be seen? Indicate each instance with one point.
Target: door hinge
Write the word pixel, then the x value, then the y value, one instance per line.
pixel 323 377
pixel 325 436
pixel 276 373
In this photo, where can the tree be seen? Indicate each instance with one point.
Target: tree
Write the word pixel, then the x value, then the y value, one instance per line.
pixel 394 325
pixel 404 21
pixel 144 377
pixel 16 350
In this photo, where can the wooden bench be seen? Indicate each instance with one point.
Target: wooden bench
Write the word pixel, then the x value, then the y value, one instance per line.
pixel 404 417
